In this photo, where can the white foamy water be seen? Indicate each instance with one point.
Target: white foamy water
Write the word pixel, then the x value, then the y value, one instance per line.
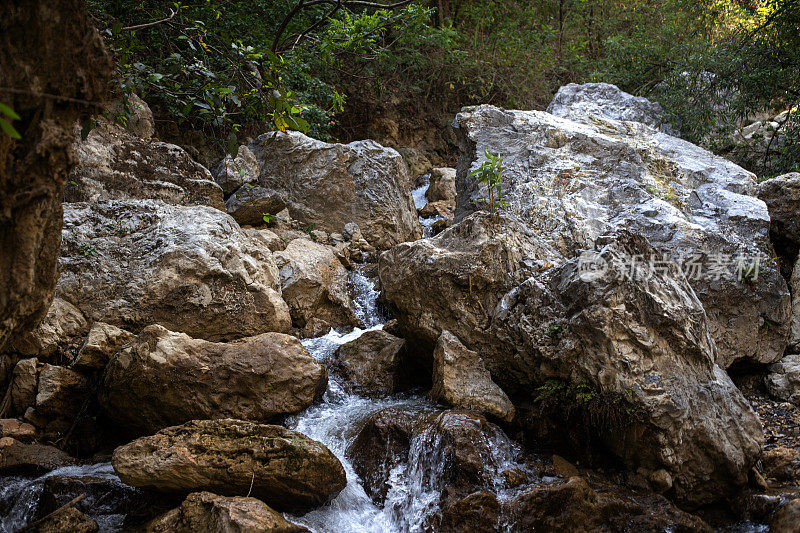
pixel 419 196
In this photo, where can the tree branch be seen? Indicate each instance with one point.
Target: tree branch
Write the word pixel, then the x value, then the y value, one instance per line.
pixel 172 13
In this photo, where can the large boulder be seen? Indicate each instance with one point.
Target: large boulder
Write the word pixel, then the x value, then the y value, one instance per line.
pixel 113 164
pixel 572 183
pixel 582 102
pixel 50 86
pixel 24 384
pixel 461 380
pixel 61 392
pixel 190 269
pixel 783 379
pixel 314 284
pixel 782 196
pixel 641 339
pixel 63 323
pixel 442 185
pixel 230 173
pixel 284 468
pixel 204 511
pixel 164 378
pixel 329 185
pixel 468 476
pixel 375 364
pixel 27 459
pixel 100 345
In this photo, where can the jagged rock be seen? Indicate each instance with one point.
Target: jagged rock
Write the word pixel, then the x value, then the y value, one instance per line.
pixel 443 209
pixel 794 283
pixel 787 518
pixel 572 183
pixel 139 119
pixel 24 383
pixel 204 511
pixel 783 380
pixel 190 269
pixel 68 520
pixel 232 172
pixel 113 164
pixel 61 392
pixel 643 339
pixel 62 323
pixel 272 240
pixel 100 345
pixel 782 196
pixel 583 102
pixel 351 232
pixel 16 429
pixel 163 378
pixel 442 185
pixel 250 203
pixel 36 60
pixel 27 459
pixel 461 380
pixel 417 163
pixel 375 364
pixel 283 468
pixel 329 185
pixel 314 284
pixel 782 464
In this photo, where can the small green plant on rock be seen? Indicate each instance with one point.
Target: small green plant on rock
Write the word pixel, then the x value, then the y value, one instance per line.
pixel 87 250
pixel 490 173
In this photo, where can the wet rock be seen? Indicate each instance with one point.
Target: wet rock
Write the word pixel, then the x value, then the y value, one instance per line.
pixel 460 379
pixel 61 392
pixel 113 164
pixel 20 458
pixel 583 102
pixel 782 464
pixel 24 383
pixel 62 323
pixel 329 185
pixel 571 183
pixel 314 284
pixel 783 379
pixel 68 520
pixel 163 378
pixel 17 429
pixel 231 173
pixel 190 269
pixel 204 511
pixel 443 209
pixel 100 345
pixel 375 364
pixel 688 417
pixel 787 518
pixel 442 185
pixel 284 468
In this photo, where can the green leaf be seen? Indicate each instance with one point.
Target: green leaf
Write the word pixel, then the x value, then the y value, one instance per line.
pixel 9 129
pixel 7 111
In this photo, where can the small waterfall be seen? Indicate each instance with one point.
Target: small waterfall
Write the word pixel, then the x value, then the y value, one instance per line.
pixel 365 298
pixel 419 202
pixel 19 496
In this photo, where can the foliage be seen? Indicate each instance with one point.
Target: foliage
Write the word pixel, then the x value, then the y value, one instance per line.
pixel 490 174
pixel 6 116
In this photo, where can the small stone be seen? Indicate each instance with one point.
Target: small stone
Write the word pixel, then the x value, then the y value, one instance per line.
pixel 660 480
pixel 564 467
pixel 17 429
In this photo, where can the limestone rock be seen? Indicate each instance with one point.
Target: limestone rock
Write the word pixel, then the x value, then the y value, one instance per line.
pixel 572 183
pixel 783 380
pixel 28 459
pixel 231 173
pixel 113 164
pixel 442 209
pixel 416 161
pixel 782 196
pixel 314 284
pixel 163 378
pixel 68 520
pixel 787 518
pixel 204 511
pixel 24 383
pixel 375 364
pixel 100 345
pixel 582 102
pixel 61 392
pixel 16 429
pixel 283 468
pixel 461 380
pixel 62 323
pixel 442 185
pixel 190 269
pixel 329 185
pixel 782 464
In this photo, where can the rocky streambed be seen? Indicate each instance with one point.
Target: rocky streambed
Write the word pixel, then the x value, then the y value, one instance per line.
pixel 312 336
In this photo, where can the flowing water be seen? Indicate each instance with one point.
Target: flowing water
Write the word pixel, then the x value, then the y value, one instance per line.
pixel 419 202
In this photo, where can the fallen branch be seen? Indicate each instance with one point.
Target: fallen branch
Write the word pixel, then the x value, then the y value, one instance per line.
pixel 172 13
pixel 37 523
